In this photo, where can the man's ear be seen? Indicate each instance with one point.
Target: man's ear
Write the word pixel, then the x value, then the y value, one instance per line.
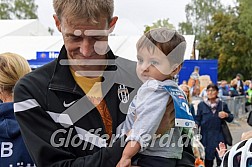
pixel 57 22
pixel 112 24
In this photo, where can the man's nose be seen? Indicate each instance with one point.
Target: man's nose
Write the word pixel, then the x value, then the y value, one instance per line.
pixel 87 47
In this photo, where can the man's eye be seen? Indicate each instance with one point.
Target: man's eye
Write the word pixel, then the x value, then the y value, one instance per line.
pixel 74 38
pixel 98 38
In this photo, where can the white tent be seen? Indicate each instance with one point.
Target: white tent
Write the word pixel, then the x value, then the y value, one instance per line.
pixel 30 27
pixel 125 46
pixel 28 46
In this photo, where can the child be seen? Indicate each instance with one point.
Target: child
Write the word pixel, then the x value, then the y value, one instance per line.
pixel 160 54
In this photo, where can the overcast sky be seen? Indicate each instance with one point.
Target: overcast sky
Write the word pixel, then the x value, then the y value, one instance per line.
pixel 133 14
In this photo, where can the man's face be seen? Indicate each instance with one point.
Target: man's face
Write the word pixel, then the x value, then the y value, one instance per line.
pixel 85 40
pixel 238 77
pixel 223 84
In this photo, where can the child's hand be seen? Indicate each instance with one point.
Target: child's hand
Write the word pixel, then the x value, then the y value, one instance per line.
pixel 221 150
pixel 124 162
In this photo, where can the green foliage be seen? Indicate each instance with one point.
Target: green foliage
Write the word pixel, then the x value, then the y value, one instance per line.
pixel 245 17
pixel 186 28
pixel 223 34
pixel 5 9
pixel 18 9
pixel 159 23
pixel 229 44
pixel 198 16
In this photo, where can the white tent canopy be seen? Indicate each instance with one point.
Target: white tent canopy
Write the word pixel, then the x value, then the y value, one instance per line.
pixel 31 27
pixel 28 46
pixel 125 46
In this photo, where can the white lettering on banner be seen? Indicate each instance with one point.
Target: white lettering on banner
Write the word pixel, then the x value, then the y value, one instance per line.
pixel 53 55
pixel 6 149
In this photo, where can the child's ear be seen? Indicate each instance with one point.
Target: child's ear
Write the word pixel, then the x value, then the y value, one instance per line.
pixel 176 70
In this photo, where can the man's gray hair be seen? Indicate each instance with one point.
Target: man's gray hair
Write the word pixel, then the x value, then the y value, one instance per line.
pixel 77 9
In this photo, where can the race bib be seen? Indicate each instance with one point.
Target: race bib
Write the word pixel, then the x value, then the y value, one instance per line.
pixel 183 115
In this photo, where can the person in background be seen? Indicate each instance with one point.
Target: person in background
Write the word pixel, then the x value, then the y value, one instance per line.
pixel 210 114
pixel 222 148
pixel 233 88
pixel 160 54
pixel 246 85
pixel 193 81
pixel 13 150
pixel 195 91
pixel 192 85
pixel 223 89
pixel 248 103
pixel 186 90
pixel 239 84
pixel 203 93
pixel 195 74
pixel 237 152
pixel 184 82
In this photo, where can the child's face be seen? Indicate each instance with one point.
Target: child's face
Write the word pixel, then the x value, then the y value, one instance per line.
pixel 152 65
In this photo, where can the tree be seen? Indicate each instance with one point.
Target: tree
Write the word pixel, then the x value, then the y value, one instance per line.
pixel 198 16
pixel 159 23
pixel 18 9
pixel 186 28
pixel 5 9
pixel 245 25
pixel 223 34
pixel 245 16
pixel 227 43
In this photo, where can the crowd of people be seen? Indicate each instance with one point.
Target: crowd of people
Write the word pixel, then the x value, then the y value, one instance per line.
pixel 92 108
pixel 236 87
pixel 212 110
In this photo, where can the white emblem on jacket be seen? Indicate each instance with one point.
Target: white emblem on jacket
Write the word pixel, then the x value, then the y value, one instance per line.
pixel 123 93
pixel 68 104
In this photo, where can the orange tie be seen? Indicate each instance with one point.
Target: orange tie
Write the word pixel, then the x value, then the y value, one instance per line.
pixel 106 117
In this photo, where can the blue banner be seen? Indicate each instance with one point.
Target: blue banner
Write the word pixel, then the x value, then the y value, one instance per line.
pixel 47 55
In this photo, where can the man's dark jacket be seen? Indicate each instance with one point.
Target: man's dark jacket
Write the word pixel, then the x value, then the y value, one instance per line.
pixel 60 126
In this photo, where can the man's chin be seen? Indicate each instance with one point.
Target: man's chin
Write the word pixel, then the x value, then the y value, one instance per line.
pixel 88 74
